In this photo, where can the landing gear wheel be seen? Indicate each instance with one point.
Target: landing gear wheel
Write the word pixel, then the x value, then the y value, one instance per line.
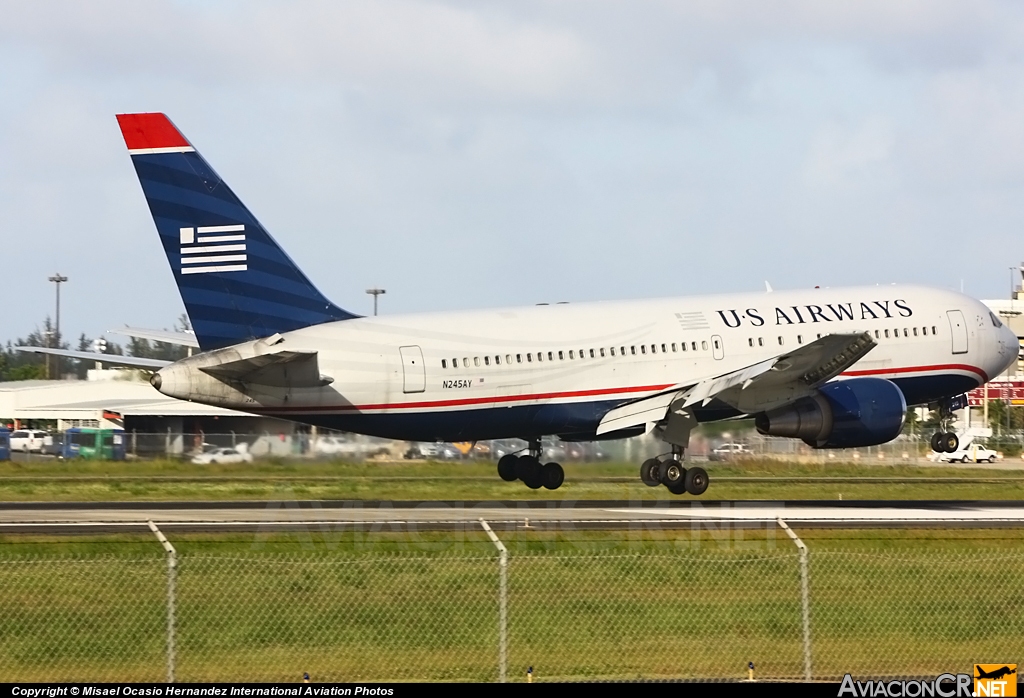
pixel 677 487
pixel 671 472
pixel 552 476
pixel 696 481
pixel 649 472
pixel 507 468
pixel 936 442
pixel 528 469
pixel 950 442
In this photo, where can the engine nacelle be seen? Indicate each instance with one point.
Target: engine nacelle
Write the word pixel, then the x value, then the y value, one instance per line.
pixel 844 414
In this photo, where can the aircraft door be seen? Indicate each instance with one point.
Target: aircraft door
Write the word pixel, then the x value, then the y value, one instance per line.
pixel 413 369
pixel 717 347
pixel 958 329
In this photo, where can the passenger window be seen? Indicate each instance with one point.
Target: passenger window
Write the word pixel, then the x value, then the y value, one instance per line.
pixel 455 363
pixel 877 335
pixel 487 361
pixel 476 360
pixel 497 360
pixel 799 339
pixel 905 333
pixel 612 350
pixel 465 362
pixel 915 331
pixel 663 349
pixel 780 342
pixel 654 348
pixel 519 358
pixel 601 351
pixel 529 357
pixel 444 363
pixel 561 356
pixel 693 345
pixel 887 334
pixel 643 348
pixel 683 346
pixel 632 350
pixel 572 354
pixel 551 356
pixel 750 341
pixel 508 358
pixel 592 354
pixel 622 351
pixel 704 346
pixel 760 341
pixel 540 356
pixel 673 347
pixel 933 329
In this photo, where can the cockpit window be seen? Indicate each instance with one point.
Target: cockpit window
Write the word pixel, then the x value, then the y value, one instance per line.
pixel 995 320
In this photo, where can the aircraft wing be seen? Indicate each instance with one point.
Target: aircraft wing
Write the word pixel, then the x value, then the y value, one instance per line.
pixel 765 385
pixel 184 339
pixel 112 359
pixel 295 369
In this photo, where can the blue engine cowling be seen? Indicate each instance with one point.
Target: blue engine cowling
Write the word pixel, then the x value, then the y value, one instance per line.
pixel 844 414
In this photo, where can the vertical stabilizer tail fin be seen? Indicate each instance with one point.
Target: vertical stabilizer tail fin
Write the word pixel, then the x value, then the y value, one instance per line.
pixel 235 280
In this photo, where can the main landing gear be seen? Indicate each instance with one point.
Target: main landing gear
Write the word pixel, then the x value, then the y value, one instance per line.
pixel 945 440
pixel 671 473
pixel 528 468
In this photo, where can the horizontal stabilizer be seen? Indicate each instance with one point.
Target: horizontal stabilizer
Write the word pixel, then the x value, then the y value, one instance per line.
pixel 112 359
pixel 292 369
pixel 181 339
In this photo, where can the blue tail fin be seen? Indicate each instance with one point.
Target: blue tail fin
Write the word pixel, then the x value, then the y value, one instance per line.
pixel 236 282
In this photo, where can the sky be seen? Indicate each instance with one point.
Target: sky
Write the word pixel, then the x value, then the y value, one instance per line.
pixel 485 154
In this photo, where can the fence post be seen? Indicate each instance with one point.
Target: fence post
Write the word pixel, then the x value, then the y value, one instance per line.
pixel 172 564
pixel 804 596
pixel 502 602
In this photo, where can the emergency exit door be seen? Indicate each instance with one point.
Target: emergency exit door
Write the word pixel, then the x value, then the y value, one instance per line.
pixel 958 330
pixel 413 369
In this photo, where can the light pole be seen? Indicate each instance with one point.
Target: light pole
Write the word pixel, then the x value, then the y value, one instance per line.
pixel 58 280
pixel 375 292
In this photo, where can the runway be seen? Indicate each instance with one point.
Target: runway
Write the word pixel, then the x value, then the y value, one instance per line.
pixel 94 517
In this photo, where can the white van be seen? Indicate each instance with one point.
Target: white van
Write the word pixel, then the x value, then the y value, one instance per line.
pixel 30 440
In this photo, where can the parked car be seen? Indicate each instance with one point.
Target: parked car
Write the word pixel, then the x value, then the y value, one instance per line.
pixel 30 440
pixel 223 455
pixel 337 446
pixel 972 453
pixel 727 451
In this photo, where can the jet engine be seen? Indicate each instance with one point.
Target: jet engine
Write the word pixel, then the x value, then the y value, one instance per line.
pixel 844 414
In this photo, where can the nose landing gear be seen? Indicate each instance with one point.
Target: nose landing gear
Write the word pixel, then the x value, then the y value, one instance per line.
pixel 528 468
pixel 945 440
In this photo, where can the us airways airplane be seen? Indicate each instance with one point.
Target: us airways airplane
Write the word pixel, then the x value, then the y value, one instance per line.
pixel 834 367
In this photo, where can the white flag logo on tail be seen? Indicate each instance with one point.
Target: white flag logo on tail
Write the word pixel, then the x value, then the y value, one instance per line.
pixel 213 248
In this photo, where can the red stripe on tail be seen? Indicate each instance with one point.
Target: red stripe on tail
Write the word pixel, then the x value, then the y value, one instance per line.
pixel 149 131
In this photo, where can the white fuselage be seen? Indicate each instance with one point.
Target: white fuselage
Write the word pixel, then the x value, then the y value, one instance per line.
pixel 555 369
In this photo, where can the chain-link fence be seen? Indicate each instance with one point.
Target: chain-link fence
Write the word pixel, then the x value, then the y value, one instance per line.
pixel 571 615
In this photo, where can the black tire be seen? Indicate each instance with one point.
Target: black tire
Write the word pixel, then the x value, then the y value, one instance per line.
pixel 552 476
pixel 528 470
pixel 649 472
pixel 696 481
pixel 671 471
pixel 677 487
pixel 951 442
pixel 507 468
pixel 936 442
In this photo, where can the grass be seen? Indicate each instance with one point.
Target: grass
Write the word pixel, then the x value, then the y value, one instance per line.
pixel 624 604
pixel 599 604
pixel 754 479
